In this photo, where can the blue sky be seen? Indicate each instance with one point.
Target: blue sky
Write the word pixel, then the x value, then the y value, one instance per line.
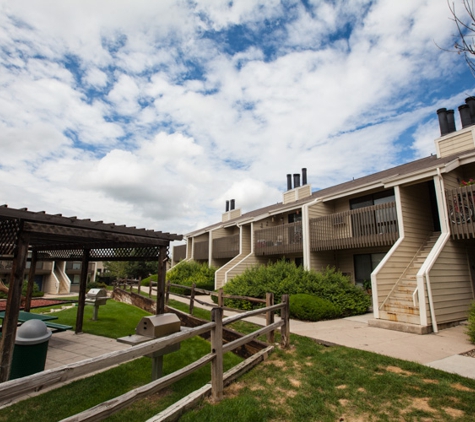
pixel 153 114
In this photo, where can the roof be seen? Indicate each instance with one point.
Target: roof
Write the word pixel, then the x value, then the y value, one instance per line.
pixel 413 167
pixel 59 237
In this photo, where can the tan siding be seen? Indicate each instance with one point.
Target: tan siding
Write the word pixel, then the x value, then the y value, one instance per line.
pixel 319 210
pixel 289 196
pixel 458 143
pixel 417 221
pixel 320 260
pixel 451 284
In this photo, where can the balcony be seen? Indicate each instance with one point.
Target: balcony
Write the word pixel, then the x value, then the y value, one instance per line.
pixel 461 211
pixel 201 250
pixel 226 247
pixel 361 228
pixel 279 240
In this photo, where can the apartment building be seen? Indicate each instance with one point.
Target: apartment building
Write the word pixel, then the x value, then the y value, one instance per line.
pixel 409 229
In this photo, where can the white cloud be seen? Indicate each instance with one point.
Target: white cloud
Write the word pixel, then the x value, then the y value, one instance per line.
pixel 141 113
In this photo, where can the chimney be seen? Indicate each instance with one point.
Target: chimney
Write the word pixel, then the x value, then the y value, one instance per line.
pixel 470 101
pixel 296 180
pixel 451 121
pixel 289 182
pixel 443 124
pixel 232 204
pixel 227 206
pixel 304 177
pixel 465 117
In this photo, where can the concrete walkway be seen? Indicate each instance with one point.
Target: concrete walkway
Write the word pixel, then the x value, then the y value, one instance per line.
pixel 441 350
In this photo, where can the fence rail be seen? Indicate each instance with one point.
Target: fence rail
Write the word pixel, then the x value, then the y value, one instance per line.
pixel 13 389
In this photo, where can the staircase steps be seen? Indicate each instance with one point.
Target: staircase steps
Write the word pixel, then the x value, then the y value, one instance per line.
pixel 399 307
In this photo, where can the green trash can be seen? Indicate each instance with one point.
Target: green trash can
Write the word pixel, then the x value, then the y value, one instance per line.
pixel 31 347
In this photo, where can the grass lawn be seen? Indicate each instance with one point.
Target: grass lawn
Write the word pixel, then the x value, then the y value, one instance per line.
pixel 308 382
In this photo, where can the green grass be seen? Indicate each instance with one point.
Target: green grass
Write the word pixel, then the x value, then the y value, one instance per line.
pixel 307 382
pixel 117 320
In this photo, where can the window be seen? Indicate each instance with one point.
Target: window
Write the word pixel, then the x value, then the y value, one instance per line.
pixel 365 265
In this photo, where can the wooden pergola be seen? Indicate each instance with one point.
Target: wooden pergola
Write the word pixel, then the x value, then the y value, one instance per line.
pixel 47 237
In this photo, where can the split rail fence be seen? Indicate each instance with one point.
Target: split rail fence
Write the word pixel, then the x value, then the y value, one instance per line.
pixel 17 388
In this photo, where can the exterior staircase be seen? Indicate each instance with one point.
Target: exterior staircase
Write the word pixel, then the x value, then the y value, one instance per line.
pixel 399 305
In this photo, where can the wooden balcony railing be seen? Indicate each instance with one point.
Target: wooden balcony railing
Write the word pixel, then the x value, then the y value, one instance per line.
pixel 364 227
pixel 201 250
pixel 461 211
pixel 179 253
pixel 226 247
pixel 279 240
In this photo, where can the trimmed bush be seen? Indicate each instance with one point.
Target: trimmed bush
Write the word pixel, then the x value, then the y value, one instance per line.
pixel 312 308
pixel 189 272
pixel 471 323
pixel 286 278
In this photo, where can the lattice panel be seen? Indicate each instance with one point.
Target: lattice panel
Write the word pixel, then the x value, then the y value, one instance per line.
pixel 61 254
pixel 124 253
pixel 9 230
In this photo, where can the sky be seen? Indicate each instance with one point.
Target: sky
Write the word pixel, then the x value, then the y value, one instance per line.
pixel 154 113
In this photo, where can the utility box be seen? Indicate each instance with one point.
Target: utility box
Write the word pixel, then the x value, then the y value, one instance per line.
pixel 96 297
pixel 158 325
pixel 153 327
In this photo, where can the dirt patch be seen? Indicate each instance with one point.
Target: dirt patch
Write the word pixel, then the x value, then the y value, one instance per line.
pixel 454 413
pixel 461 387
pixel 233 390
pixel 295 382
pixel 429 381
pixel 419 404
pixel 341 387
pixel 276 362
pixel 397 370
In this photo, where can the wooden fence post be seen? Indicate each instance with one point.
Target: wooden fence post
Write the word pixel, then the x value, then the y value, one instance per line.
pixel 140 284
pixel 270 316
pixel 192 298
pixel 167 292
pixel 220 298
pixel 285 329
pixel 150 288
pixel 217 362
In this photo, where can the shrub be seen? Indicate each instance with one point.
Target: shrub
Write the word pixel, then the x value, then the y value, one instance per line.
pixel 189 272
pixel 36 291
pixel 286 278
pixel 96 285
pixel 471 323
pixel 312 308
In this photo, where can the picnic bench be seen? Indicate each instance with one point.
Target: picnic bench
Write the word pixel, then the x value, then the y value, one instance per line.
pixel 26 316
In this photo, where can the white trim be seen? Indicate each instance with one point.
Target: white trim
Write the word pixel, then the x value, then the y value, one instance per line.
pixel 423 279
pixel 374 274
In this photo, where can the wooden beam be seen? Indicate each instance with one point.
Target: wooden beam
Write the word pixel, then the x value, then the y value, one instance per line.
pixel 162 273
pixel 12 310
pixel 82 291
pixel 31 281
pixel 217 349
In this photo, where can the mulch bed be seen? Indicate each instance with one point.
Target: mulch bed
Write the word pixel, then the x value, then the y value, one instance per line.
pixel 36 303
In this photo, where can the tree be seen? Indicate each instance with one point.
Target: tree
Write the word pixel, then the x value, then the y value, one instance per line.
pixel 465 23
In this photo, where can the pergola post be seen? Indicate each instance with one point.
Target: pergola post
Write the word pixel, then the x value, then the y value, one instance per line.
pixel 12 310
pixel 162 272
pixel 82 291
pixel 31 281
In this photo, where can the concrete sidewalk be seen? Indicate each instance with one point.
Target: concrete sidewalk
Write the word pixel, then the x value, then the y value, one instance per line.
pixel 441 350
